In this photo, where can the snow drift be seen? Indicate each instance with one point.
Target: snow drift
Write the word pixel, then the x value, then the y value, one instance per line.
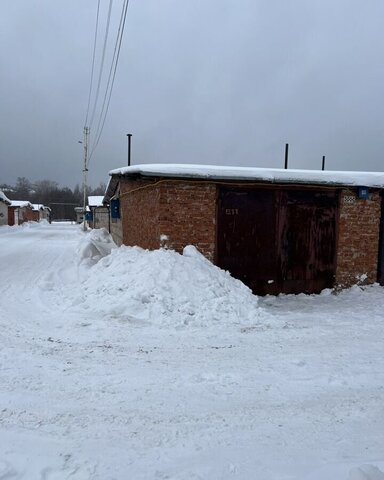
pixel 94 246
pixel 160 286
pixel 85 396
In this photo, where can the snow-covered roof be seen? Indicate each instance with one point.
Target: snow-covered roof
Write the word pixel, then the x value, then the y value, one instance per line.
pixel 270 175
pixel 95 200
pixel 4 198
pixel 39 206
pixel 21 204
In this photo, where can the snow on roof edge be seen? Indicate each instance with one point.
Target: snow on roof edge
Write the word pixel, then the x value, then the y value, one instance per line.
pixel 40 206
pixel 4 198
pixel 95 200
pixel 21 203
pixel 270 175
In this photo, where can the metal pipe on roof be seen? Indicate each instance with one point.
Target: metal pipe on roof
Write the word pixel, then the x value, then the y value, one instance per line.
pixel 129 135
pixel 286 156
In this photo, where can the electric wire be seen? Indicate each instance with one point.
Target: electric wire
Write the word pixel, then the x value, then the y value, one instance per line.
pixel 111 69
pixel 93 63
pixel 102 62
pixel 111 77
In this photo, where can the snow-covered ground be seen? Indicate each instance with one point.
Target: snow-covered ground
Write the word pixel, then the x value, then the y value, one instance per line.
pixel 126 364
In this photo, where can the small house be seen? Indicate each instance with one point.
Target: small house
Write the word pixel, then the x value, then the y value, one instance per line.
pixel 4 204
pixel 41 212
pixel 20 211
pixel 79 211
pixel 98 216
pixel 279 231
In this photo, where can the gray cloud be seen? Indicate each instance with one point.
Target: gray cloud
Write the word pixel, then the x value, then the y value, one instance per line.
pixel 218 82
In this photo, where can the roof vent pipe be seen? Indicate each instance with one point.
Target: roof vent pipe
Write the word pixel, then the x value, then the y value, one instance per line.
pixel 129 135
pixel 323 163
pixel 286 156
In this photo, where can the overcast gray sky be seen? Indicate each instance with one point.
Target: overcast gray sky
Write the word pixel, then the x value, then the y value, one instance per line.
pixel 204 81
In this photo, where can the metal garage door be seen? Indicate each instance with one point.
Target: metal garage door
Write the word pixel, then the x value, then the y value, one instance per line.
pixel 278 241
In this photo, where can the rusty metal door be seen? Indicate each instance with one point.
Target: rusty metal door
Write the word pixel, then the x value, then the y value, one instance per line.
pixel 278 241
pixel 306 240
pixel 246 237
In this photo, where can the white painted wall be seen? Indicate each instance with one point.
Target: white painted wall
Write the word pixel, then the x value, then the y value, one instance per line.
pixel 3 213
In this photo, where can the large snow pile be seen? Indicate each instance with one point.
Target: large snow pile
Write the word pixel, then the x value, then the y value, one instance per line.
pixel 87 397
pixel 94 246
pixel 340 471
pixel 366 472
pixel 160 286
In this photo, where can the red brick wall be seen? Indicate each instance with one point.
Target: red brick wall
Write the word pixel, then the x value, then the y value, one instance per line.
pixel 358 244
pixel 139 207
pixel 183 211
pixel 24 215
pixel 188 215
pixel 27 215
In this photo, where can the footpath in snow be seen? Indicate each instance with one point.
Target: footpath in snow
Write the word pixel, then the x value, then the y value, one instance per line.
pixel 119 363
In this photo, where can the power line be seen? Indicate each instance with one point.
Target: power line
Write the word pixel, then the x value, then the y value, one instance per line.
pixel 110 83
pixel 93 62
pixel 102 61
pixel 110 70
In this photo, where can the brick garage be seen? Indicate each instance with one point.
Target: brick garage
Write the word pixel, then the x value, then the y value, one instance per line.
pixel 176 205
pixel 20 212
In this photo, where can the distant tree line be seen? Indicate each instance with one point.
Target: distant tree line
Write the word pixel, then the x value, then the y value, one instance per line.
pixel 61 200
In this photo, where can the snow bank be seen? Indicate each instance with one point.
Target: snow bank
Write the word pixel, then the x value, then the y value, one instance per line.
pixel 84 396
pixel 25 225
pixel 366 472
pixel 95 245
pixel 342 471
pixel 161 286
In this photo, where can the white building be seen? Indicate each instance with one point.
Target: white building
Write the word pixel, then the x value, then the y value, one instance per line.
pixel 4 203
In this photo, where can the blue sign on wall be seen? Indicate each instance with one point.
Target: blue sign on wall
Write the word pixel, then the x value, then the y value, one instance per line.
pixel 115 208
pixel 363 193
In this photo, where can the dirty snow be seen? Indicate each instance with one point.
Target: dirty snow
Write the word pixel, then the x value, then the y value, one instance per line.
pixel 118 363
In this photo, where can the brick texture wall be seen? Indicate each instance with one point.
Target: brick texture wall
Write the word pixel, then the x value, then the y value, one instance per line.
pixel 188 215
pixel 169 213
pixel 139 207
pixel 175 213
pixel 358 244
